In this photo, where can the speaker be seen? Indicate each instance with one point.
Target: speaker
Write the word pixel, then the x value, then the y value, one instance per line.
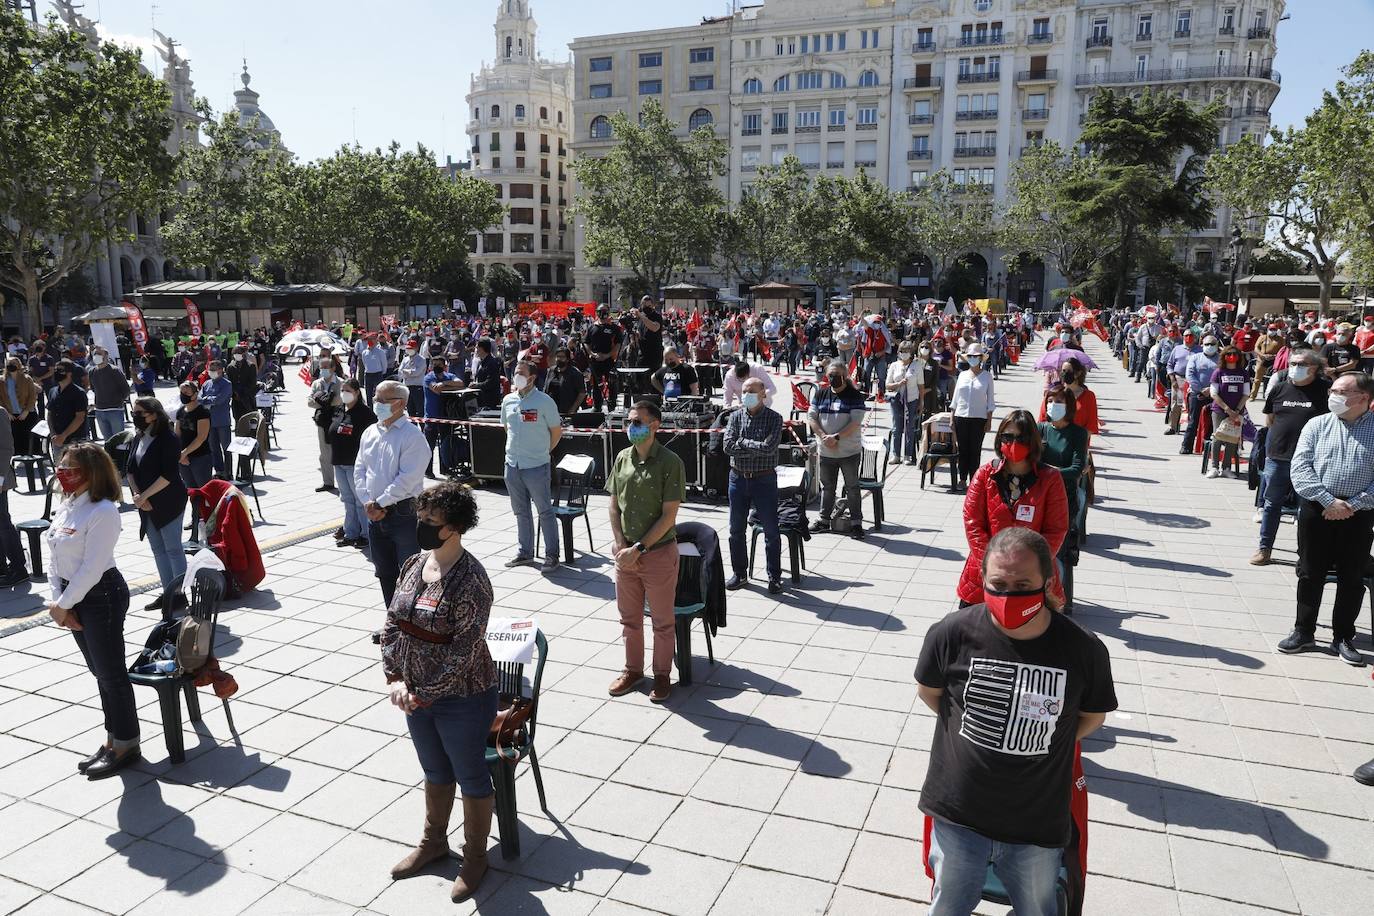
pixel 588 419
pixel 591 444
pixel 488 447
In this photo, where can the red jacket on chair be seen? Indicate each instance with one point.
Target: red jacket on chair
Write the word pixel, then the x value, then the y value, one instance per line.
pixel 1043 508
pixel 231 535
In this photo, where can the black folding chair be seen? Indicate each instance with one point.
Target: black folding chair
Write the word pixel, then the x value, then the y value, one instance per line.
pixel 572 484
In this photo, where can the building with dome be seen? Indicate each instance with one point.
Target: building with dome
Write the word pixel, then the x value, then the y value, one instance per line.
pixel 521 113
pixel 246 102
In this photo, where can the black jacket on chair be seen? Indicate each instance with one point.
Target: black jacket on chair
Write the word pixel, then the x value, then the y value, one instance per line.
pixel 162 459
pixel 702 580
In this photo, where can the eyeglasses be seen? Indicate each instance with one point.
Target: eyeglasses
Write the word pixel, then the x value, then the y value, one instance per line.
pixel 1008 438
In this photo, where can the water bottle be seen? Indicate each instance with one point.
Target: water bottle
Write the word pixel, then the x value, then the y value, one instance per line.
pixel 165 666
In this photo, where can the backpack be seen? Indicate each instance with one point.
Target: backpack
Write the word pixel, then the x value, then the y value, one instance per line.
pixel 193 644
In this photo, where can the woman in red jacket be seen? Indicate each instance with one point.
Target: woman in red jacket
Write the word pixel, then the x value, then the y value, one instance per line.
pixel 1014 489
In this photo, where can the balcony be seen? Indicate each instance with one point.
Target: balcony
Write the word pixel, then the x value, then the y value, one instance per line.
pixel 779 130
pixel 921 119
pixel 562 151
pixel 869 126
pixel 1227 31
pixel 1252 111
pixel 1183 33
pixel 1035 114
pixel 975 152
pixel 922 82
pixel 545 174
pixel 831 128
pixel 972 188
pixel 811 165
pixel 1040 38
pixel 808 128
pixel 748 168
pixel 834 165
pixel 980 76
pixel 1099 41
pixel 1037 76
pixel 751 131
pixel 1170 75
pixel 544 148
pixel 1260 31
pixel 865 164
pixel 986 40
pixel 982 114
pixel 1030 146
pixel 1144 36
pixel 917 154
pixel 923 47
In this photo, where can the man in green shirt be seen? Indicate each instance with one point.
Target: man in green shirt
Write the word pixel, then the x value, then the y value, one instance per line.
pixel 647 483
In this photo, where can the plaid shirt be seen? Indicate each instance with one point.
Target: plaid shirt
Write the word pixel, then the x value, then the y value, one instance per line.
pixel 1335 460
pixel 751 440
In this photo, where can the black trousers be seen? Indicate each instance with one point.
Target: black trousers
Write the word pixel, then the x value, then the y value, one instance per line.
pixel 968 435
pixel 1322 546
pixel 599 371
pixel 101 641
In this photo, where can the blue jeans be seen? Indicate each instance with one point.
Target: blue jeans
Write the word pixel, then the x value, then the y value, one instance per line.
pixel 197 470
pixel 959 857
pixel 109 420
pixel 761 494
pixel 220 437
pixel 450 738
pixel 391 542
pixel 101 641
pixel 532 484
pixel 353 510
pixel 1275 488
pixel 906 427
pixel 167 553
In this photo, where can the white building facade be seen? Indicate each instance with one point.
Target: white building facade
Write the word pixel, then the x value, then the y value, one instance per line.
pixel 520 132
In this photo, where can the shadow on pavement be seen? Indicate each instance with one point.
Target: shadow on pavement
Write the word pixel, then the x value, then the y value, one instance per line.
pixel 1106 621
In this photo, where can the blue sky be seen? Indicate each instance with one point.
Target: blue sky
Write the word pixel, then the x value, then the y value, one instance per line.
pixel 330 70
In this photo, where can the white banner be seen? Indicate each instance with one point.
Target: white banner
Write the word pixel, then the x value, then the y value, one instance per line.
pixel 511 639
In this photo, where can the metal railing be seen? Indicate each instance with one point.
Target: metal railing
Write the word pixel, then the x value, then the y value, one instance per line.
pixel 981 76
pixel 1035 114
pixel 1099 41
pixel 915 154
pixel 1039 38
pixel 982 114
pixel 982 40
pixel 921 119
pixel 865 126
pixel 1183 33
pixel 1259 31
pixel 1227 30
pixel 923 47
pixel 830 128
pixel 780 130
pixel 1177 73
pixel 922 82
pixel 1025 76
pixel 974 152
pixel 751 131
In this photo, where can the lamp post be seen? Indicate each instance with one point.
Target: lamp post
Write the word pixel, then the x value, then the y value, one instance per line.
pixel 1236 245
pixel 606 284
pixel 406 271
pixel 999 284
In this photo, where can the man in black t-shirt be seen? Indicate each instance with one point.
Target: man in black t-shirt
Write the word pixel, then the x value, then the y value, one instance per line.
pixel 1343 354
pixel 1292 401
pixel 1014 686
pixel 603 342
pixel 650 334
pixel 67 410
pixel 675 379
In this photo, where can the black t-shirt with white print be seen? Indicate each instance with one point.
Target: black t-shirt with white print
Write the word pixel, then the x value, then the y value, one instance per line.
pixel 1291 407
pixel 1001 762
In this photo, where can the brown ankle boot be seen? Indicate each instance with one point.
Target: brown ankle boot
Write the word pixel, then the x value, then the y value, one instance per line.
pixel 476 829
pixel 434 844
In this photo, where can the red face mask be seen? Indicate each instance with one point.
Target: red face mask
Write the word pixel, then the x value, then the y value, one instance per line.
pixel 1016 452
pixel 70 479
pixel 1014 609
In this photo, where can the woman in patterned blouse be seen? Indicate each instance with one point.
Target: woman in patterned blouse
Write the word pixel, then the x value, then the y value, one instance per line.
pixel 434 654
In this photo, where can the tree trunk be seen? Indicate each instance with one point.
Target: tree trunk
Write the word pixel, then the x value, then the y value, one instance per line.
pixel 1326 275
pixel 33 304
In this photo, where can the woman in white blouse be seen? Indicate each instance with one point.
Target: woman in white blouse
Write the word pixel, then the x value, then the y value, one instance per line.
pixel 90 597
pixel 972 404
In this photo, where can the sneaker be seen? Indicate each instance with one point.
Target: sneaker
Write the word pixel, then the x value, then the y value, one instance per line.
pixel 1261 557
pixel 775 586
pixel 1297 641
pixel 735 583
pixel 627 682
pixel 895 460
pixel 1257 517
pixel 820 524
pixel 1171 432
pixel 857 532
pixel 1345 648
pixel 1364 774
pixel 1214 473
pixel 549 565
pixel 518 561
pixel 1185 450
pixel 359 543
pixel 663 688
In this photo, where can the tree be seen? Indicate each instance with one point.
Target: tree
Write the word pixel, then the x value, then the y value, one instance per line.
pixel 1046 217
pixel 223 212
pixel 83 142
pixel 877 218
pixel 825 243
pixel 758 240
pixel 503 282
pixel 1151 152
pixel 946 221
pixel 651 203
pixel 457 282
pixel 1276 262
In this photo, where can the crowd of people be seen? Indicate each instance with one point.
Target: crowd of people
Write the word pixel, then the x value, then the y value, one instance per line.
pixel 381 415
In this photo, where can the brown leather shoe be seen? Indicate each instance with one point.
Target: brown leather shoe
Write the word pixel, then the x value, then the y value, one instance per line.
pixel 663 688
pixel 1261 557
pixel 434 842
pixel 627 682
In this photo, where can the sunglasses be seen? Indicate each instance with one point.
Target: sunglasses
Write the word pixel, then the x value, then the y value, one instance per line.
pixel 1009 438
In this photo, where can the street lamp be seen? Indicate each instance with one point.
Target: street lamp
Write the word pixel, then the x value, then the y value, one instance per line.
pixel 406 270
pixel 999 285
pixel 1236 245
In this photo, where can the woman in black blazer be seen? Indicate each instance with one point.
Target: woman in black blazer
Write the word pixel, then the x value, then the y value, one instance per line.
pixel 345 433
pixel 154 478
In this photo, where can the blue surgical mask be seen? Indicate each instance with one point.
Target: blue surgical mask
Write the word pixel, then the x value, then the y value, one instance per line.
pixel 638 432
pixel 383 409
pixel 750 400
pixel 1056 411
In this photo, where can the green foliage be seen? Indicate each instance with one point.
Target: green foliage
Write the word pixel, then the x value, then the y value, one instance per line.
pixel 83 142
pixel 946 221
pixel 502 281
pixel 825 244
pixel 757 238
pixel 1341 137
pixel 652 203
pixel 457 281
pixel 877 219
pixel 1277 262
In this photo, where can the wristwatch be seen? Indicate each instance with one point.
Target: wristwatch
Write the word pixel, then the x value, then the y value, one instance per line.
pixel 639 545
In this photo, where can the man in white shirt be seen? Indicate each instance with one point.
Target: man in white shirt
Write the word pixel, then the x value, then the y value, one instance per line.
pixel 972 404
pixel 387 476
pixel 905 393
pixel 742 372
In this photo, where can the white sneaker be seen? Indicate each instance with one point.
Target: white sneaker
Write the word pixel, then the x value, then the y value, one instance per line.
pixel 1258 517
pixel 1214 473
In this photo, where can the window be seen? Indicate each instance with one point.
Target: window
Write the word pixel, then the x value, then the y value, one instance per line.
pixel 1261 18
pixel 837 81
pixel 522 216
pixel 1040 28
pixel 964 66
pixel 810 79
pixel 701 55
pixel 962 104
pixel 753 86
pixel 809 154
pixel 651 87
pixel 1180 60
pixel 522 190
pixel 960 178
pixel 521 243
pixel 874 39
pixel 921 108
pixel 779 153
pixel 834 154
pixel 809 117
pixel 1036 101
pixel 560 117
pixel 994 66
pixel 863 39
pixel 1222 59
pixel 1202 259
pixel 925 38
pixel 779 122
pixel 1228 19
pixel 1183 25
pixel 519 111
pixel 830 41
pixel 779 50
pixel 493 243
pixel 599 91
pixel 982 6
pixel 961 140
pixel 651 59
pixel 843 36
pixel 921 143
pixel 919 178
pixel 601 128
pixel 782 84
pixel 868 78
pixel 520 141
pixel 837 117
pixel 543 114
pixel 989 176
pixel 866 153
pixel 753 123
pixel 495 145
pixel 599 65
pixel 476 114
pixel 868 114
pixel 992 102
pixel 700 118
pixel 1144 25
pixel 496 111
pixel 749 157
pixel 805 41
pixel 700 83
pixel 1142 65
pixel 1101 28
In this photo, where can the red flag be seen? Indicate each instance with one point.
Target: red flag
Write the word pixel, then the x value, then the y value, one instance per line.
pixel 137 329
pixel 765 351
pixel 854 363
pixel 193 316
pixel 296 325
pixel 694 324
pixel 305 373
pixel 799 399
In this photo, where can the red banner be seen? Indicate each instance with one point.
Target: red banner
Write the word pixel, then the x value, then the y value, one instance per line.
pixel 193 316
pixel 553 309
pixel 137 329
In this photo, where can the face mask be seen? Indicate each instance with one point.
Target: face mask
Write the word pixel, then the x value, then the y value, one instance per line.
pixel 1300 373
pixel 347 397
pixel 836 382
pixel 1016 452
pixel 750 400
pixel 1210 350
pixel 1065 338
pixel 1056 411
pixel 1337 403
pixel 97 360
pixel 186 398
pixel 71 479
pixel 140 422
pixel 238 357
pixel 427 536
pixel 925 351
pixel 638 432
pixel 906 357
pixel 383 409
pixel 825 339
pixel 520 382
pixel 1014 609
pixel 215 375
pixel 60 376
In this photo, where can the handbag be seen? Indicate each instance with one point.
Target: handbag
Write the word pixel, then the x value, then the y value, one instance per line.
pixel 1228 431
pixel 508 727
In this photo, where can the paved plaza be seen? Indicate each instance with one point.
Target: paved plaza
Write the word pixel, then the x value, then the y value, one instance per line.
pixel 784 780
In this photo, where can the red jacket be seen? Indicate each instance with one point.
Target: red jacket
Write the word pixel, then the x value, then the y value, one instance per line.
pixel 232 537
pixel 1043 508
